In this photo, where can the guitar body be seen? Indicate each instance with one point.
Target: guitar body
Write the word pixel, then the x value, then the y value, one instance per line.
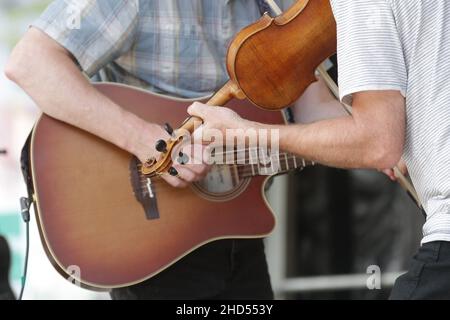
pixel 92 225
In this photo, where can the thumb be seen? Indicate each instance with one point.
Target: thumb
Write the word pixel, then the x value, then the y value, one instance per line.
pixel 198 109
pixel 198 135
pixel 390 174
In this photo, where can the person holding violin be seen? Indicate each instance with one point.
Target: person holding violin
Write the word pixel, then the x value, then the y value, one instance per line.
pixel 393 57
pixel 175 48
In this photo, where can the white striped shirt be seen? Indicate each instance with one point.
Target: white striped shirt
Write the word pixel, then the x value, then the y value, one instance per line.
pixel 404 45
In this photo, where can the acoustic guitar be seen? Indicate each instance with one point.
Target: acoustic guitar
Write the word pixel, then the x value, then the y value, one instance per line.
pixel 104 224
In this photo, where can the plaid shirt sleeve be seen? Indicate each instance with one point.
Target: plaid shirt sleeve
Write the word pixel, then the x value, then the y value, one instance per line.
pixel 95 32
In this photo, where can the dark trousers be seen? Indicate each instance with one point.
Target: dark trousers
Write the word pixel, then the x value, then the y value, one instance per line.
pixel 224 269
pixel 428 276
pixel 5 261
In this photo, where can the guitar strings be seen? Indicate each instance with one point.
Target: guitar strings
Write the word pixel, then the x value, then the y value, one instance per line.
pixel 258 150
pixel 246 173
pixel 250 162
pixel 251 158
pixel 243 174
pixel 285 158
pixel 249 168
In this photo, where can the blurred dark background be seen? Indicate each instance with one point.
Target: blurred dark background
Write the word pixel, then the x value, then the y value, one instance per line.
pixel 343 221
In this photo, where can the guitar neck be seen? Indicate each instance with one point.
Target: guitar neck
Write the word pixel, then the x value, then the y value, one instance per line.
pixel 282 163
pixel 253 162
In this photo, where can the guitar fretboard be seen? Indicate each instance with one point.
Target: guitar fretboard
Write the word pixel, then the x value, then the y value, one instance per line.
pixel 253 162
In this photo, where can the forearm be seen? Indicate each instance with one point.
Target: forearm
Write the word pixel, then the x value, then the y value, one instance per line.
pixel 372 137
pixel 55 83
pixel 325 132
pixel 337 143
pixel 315 113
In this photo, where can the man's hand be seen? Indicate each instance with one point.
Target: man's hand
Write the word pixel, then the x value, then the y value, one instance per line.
pixel 391 174
pixel 192 171
pixel 218 118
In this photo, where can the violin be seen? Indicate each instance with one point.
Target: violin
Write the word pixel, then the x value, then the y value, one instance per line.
pixel 270 62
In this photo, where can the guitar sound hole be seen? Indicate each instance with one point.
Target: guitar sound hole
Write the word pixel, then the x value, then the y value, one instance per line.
pixel 221 184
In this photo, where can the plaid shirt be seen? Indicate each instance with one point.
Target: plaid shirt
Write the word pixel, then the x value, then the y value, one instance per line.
pixel 174 47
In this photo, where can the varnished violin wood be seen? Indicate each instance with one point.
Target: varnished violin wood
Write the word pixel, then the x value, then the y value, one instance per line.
pixel 228 92
pixel 274 60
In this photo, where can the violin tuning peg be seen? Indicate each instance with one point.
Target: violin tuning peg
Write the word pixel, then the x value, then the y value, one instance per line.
pixel 183 158
pixel 173 172
pixel 161 146
pixel 168 128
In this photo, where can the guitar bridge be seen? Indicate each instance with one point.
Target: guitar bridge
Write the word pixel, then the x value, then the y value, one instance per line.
pixel 143 190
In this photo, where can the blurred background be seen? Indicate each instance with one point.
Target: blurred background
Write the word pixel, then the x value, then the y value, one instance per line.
pixel 333 224
pixel 17 116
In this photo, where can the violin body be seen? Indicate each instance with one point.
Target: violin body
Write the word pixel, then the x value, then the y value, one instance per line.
pixel 273 61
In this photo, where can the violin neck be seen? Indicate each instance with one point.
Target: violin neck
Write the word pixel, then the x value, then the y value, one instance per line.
pixel 229 91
